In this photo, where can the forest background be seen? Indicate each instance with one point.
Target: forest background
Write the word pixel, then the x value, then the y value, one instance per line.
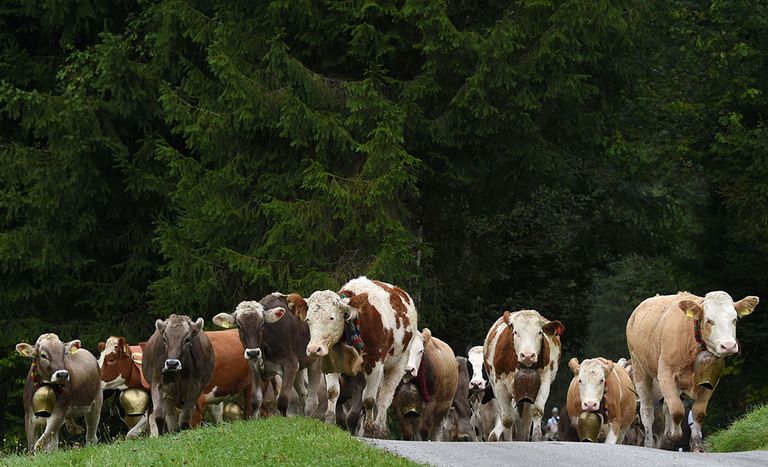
pixel 574 157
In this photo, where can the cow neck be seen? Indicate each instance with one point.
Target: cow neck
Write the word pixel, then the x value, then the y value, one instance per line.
pixel 352 331
pixel 134 377
pixel 697 334
pixel 421 381
pixel 38 382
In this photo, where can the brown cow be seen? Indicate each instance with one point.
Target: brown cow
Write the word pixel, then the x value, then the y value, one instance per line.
pixel 665 334
pixel 431 364
pixel 231 379
pixel 180 364
pixel 458 423
pixel 73 374
pixel 599 385
pixel 275 342
pixel 521 339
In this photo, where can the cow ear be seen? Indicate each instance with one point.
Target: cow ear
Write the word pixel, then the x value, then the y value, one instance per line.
pixel 574 365
pixel 298 305
pixel 608 365
pixel 691 309
pixel 122 344
pixel 507 316
pixel 273 315
pixel 25 349
pixel 353 304
pixel 225 320
pixel 197 326
pixel 426 335
pixel 72 346
pixel 553 328
pixel 160 325
pixel 102 346
pixel 746 305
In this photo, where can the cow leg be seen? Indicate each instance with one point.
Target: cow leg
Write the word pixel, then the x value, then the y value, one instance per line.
pixel 257 394
pixel 158 411
pixel 523 425
pixel 334 390
pixel 216 412
pixel 29 427
pixel 613 433
pixel 672 400
pixel 300 386
pixel 372 384
pixel 247 401
pixel 138 428
pixel 92 419
pixel 537 411
pixel 49 440
pixel 507 414
pixel 314 375
pixel 699 410
pixel 290 371
pixel 644 387
pixel 390 380
pixel 188 411
pixel 355 406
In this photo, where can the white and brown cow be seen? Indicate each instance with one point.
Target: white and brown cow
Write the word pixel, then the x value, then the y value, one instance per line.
pixel 521 339
pixel 600 386
pixel 387 320
pixel 432 367
pixel 73 374
pixel 665 335
pixel 485 411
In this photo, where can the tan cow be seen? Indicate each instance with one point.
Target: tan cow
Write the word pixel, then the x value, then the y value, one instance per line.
pixel 72 374
pixel 431 365
pixel 523 339
pixel 665 334
pixel 599 385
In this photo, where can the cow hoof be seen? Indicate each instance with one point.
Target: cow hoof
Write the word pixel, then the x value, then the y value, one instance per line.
pixel 493 438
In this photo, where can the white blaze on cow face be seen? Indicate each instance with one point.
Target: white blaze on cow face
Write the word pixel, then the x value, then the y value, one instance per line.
pixel 717 318
pixel 592 374
pixel 527 334
pixel 326 314
pixel 475 356
pixel 415 356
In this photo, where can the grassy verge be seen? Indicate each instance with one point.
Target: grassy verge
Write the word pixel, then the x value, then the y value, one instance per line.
pixel 749 433
pixel 273 441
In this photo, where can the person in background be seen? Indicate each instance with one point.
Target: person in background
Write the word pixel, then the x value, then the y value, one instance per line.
pixel 554 418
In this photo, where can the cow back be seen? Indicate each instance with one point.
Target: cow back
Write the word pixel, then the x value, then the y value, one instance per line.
pixel 231 374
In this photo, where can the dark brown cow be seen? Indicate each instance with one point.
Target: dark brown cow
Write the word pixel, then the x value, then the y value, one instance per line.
pixel 73 375
pixel 180 364
pixel 275 343
pixel 458 425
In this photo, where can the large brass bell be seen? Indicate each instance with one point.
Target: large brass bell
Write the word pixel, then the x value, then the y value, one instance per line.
pixel 233 412
pixel 134 401
pixel 588 426
pixel 410 403
pixel 707 369
pixel 44 401
pixel 132 420
pixel 526 385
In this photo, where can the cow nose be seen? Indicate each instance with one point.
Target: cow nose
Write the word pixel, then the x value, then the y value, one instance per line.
pixel 172 364
pixel 316 350
pixel 590 406
pixel 476 385
pixel 253 353
pixel 60 375
pixel 729 348
pixel 410 372
pixel 528 358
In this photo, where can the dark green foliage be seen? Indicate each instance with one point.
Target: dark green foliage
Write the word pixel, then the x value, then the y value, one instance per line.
pixel 571 157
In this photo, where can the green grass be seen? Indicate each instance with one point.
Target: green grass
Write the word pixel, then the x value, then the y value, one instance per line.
pixel 272 441
pixel 749 433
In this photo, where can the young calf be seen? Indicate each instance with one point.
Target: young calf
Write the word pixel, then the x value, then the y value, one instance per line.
pixel 600 386
pixel 73 374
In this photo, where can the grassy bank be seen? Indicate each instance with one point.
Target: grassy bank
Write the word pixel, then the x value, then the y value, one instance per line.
pixel 748 433
pixel 273 441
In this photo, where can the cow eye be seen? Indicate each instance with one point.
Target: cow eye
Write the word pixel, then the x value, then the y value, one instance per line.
pixel 734 322
pixel 710 322
pixel 514 332
pixel 187 340
pixel 45 356
pixel 332 318
pixel 602 381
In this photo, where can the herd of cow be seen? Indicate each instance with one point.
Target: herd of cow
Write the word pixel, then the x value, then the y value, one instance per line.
pixel 350 356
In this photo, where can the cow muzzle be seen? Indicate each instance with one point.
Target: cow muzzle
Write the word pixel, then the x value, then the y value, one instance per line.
pixel 477 385
pixel 252 353
pixel 527 359
pixel 590 406
pixel 60 376
pixel 172 364
pixel 726 349
pixel 317 350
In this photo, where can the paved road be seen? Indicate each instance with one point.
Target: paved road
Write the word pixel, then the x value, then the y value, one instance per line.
pixel 554 453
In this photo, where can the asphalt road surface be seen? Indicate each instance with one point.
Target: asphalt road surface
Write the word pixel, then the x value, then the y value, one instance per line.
pixel 555 453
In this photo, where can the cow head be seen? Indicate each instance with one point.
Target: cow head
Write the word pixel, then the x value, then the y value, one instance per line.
pixel 416 353
pixel 115 362
pixel 49 354
pixel 717 315
pixel 528 329
pixel 478 380
pixel 177 333
pixel 592 374
pixel 326 314
pixel 250 317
